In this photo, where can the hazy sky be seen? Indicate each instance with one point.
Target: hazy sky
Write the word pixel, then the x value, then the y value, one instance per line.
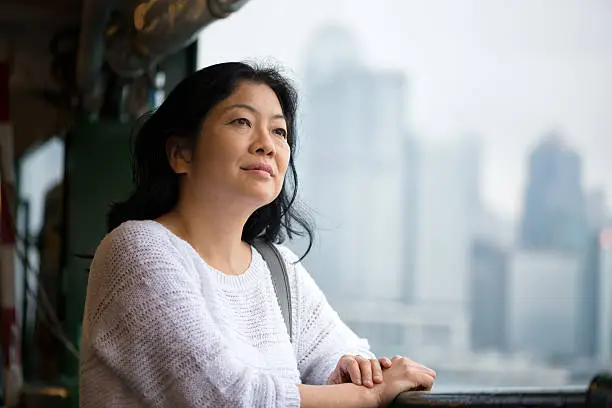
pixel 507 71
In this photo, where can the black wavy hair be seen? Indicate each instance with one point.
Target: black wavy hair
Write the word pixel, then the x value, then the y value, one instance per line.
pixel 181 115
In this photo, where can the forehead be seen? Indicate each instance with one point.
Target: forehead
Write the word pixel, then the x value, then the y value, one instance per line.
pixel 259 96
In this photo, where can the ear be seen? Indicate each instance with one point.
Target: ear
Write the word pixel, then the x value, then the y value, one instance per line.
pixel 179 155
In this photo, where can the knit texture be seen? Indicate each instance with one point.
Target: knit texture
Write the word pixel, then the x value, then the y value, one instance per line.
pixel 162 328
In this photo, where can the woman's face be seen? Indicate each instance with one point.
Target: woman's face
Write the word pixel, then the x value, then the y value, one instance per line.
pixel 242 152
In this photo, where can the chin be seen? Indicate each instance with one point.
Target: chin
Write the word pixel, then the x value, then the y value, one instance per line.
pixel 261 197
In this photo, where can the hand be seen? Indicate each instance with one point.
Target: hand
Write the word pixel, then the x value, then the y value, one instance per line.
pixel 359 370
pixel 403 375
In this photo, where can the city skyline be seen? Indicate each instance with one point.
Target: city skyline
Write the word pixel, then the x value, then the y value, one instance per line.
pixel 505 72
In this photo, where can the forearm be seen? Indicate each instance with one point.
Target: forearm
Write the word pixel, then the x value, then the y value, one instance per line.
pixel 337 396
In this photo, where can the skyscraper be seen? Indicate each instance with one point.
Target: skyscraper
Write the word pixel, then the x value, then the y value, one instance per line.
pixel 604 333
pixel 591 276
pixel 560 221
pixel 448 206
pixel 589 303
pixel 554 213
pixel 351 164
pixel 489 275
pixel 544 292
pixel 410 206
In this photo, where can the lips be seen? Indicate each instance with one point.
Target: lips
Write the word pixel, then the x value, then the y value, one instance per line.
pixel 260 167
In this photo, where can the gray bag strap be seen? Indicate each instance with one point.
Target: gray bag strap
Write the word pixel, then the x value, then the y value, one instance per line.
pixel 280 280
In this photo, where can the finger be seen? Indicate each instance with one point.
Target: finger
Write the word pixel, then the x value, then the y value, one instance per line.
pixel 431 372
pixel 410 362
pixel 385 362
pixel 424 368
pixel 333 378
pixel 343 368
pixel 425 381
pixel 417 364
pixel 376 371
pixel 366 371
pixel 421 367
pixel 351 366
pixel 421 379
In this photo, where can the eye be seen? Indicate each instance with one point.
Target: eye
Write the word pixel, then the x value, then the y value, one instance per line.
pixel 242 122
pixel 281 132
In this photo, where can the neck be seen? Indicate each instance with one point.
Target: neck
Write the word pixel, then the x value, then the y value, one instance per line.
pixel 214 228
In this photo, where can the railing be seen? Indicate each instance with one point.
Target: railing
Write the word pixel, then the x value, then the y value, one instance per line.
pixel 597 395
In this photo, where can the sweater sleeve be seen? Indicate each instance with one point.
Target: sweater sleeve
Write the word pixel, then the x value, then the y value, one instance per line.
pixel 147 321
pixel 322 336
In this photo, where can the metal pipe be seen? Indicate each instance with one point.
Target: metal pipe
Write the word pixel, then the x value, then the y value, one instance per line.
pixel 94 19
pixel 154 29
pixel 139 35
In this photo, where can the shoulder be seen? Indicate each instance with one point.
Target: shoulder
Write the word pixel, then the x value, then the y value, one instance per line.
pixel 137 243
pixel 137 264
pixel 134 233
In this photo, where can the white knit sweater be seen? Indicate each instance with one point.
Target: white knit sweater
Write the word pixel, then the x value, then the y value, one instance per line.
pixel 164 329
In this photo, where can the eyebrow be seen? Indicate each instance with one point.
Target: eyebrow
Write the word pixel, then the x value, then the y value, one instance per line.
pixel 252 109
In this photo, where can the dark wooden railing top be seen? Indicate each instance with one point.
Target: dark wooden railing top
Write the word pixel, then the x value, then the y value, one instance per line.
pixel 597 395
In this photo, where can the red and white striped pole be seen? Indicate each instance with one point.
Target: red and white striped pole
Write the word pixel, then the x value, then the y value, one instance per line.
pixel 11 332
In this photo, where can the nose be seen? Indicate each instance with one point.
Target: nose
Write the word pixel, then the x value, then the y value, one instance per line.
pixel 263 143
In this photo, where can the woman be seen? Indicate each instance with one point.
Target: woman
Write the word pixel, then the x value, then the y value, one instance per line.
pixel 180 309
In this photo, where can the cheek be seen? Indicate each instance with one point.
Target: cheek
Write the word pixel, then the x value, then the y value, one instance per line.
pixel 209 170
pixel 282 163
pixel 212 159
pixel 283 159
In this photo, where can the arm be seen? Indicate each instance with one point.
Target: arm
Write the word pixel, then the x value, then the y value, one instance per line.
pixel 322 337
pixel 334 396
pixel 147 322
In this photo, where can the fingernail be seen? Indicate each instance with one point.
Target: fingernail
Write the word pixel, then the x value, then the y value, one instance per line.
pixel 368 383
pixel 358 382
pixel 377 378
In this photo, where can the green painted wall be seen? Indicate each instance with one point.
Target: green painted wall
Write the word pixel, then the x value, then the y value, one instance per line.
pixel 98 173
